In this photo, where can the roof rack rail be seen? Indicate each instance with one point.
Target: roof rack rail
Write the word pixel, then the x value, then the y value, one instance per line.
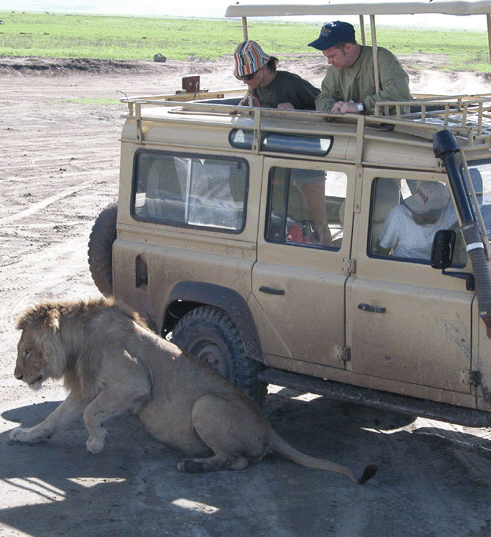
pixel 468 117
pixel 465 115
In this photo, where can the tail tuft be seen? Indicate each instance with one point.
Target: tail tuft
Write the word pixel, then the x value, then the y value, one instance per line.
pixel 368 473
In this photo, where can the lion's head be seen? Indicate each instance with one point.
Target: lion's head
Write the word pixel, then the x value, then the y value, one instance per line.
pixel 40 352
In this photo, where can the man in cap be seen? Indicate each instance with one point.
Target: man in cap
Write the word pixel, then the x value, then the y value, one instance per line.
pixel 349 85
pixel 267 86
pixel 409 228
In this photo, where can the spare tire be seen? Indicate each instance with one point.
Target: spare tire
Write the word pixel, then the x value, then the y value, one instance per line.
pixel 101 240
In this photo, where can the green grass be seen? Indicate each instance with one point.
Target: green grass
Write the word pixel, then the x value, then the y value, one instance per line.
pixel 138 38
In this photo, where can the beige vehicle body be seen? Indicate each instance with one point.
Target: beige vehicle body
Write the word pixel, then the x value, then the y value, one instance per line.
pixel 214 217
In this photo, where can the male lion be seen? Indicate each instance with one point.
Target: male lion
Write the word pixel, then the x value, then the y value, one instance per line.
pixel 111 361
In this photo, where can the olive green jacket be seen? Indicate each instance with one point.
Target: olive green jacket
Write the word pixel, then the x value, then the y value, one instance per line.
pixel 357 83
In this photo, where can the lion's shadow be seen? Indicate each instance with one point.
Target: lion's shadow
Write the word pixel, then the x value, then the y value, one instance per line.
pixel 57 488
pixel 124 427
pixel 30 415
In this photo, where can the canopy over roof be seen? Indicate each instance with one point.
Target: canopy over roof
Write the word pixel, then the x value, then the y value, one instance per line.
pixel 244 9
pixel 448 7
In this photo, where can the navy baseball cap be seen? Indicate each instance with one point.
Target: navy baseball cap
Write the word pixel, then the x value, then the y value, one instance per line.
pixel 333 33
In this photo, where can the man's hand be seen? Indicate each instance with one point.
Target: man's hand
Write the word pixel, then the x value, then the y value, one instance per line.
pixel 286 106
pixel 342 107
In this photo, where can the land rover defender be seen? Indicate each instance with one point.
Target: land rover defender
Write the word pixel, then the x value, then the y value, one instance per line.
pixel 213 239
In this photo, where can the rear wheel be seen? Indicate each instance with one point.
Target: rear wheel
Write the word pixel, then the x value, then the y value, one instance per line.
pixel 211 336
pixel 101 240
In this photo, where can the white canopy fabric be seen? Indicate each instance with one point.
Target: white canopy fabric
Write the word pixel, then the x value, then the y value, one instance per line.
pixel 246 9
pixel 448 7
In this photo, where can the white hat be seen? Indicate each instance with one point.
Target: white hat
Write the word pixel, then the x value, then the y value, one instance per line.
pixel 428 197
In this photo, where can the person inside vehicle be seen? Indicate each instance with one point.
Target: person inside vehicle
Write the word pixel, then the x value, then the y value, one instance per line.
pixel 409 228
pixel 349 85
pixel 268 87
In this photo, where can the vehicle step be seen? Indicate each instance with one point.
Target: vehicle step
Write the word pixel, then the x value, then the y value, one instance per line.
pixel 377 399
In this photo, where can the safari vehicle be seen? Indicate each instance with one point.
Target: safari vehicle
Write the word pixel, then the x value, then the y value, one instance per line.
pixel 214 242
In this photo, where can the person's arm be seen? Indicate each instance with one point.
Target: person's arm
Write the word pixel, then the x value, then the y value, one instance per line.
pixel 394 81
pixel 389 234
pixel 307 95
pixel 328 95
pixel 299 93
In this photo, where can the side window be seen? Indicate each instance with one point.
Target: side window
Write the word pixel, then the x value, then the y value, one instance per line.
pixel 405 215
pixel 181 190
pixel 306 207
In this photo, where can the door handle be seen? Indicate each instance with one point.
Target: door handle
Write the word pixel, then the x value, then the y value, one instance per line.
pixel 271 290
pixel 370 308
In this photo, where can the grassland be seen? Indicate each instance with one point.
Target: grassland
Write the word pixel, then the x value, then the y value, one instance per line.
pixel 137 38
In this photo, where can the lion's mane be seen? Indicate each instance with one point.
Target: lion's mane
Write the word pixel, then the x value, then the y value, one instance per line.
pixel 58 327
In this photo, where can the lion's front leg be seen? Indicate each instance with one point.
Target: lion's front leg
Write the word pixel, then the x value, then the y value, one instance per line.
pixel 67 412
pixel 112 400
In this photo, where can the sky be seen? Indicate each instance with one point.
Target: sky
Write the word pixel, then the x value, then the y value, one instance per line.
pixel 216 9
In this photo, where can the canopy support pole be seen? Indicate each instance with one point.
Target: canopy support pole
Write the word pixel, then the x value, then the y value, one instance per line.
pixel 375 53
pixel 244 28
pixel 362 31
pixel 488 20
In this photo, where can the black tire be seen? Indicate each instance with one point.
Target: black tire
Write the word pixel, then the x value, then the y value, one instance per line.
pixel 101 240
pixel 210 335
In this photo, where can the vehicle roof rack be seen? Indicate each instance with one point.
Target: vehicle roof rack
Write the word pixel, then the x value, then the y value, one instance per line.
pixel 468 117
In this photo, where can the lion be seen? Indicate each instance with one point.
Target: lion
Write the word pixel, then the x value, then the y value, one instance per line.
pixel 112 362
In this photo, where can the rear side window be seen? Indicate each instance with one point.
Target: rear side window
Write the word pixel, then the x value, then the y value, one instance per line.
pixel 190 190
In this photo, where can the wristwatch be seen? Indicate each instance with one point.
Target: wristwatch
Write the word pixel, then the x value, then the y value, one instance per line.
pixel 360 108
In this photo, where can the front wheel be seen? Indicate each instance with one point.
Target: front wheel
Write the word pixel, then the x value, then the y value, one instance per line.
pixel 211 336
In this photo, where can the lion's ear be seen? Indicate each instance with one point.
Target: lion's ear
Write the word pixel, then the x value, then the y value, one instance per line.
pixel 52 320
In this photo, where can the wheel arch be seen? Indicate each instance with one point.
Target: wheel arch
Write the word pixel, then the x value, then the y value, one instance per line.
pixel 186 296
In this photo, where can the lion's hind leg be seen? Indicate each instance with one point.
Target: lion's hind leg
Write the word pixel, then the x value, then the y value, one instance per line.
pixel 230 427
pixel 213 464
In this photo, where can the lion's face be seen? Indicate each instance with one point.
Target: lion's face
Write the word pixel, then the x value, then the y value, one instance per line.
pixel 31 365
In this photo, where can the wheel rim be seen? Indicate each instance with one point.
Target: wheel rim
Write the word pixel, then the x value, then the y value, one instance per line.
pixel 213 355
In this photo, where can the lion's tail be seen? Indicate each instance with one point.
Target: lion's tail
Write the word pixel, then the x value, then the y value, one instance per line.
pixel 284 448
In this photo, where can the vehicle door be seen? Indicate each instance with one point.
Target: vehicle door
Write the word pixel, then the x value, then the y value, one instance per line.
pixel 408 325
pixel 299 277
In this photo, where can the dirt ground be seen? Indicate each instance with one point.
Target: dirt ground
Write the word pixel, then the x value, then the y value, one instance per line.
pixel 60 153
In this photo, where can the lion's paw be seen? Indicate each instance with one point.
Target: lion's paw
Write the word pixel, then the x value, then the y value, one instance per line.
pixel 192 466
pixel 21 434
pixel 187 465
pixel 95 444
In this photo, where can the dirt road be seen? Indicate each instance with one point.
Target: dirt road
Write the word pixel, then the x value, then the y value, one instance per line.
pixel 60 153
